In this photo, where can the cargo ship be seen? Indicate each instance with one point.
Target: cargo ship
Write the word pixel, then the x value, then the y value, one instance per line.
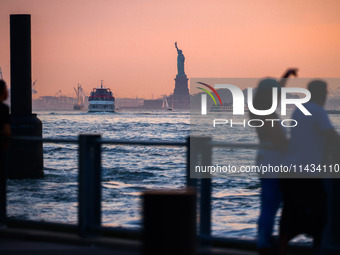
pixel 101 100
pixel 79 105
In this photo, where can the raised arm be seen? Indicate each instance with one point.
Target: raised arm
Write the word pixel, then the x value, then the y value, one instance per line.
pixel 289 72
pixel 176 46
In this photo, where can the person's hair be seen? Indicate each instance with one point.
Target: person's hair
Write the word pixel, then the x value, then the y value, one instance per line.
pixel 263 98
pixel 2 86
pixel 318 91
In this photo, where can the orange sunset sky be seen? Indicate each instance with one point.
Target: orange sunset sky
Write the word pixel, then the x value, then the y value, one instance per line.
pixel 130 44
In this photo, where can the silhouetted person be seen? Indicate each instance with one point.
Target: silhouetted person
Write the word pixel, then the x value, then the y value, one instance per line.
pixel 4 111
pixel 273 143
pixel 304 200
pixel 5 133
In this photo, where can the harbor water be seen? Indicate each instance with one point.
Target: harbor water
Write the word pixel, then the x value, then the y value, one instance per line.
pixel 129 170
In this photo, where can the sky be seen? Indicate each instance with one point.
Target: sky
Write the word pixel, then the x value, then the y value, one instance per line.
pixel 130 44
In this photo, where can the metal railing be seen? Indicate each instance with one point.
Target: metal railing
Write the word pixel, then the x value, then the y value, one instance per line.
pixel 89 183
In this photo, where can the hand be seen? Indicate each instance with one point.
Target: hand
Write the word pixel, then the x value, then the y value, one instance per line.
pixel 290 71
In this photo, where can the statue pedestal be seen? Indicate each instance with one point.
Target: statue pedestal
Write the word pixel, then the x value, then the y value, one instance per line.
pixel 181 93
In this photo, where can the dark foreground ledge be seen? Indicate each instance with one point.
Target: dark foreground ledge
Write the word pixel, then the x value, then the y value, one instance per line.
pixel 40 242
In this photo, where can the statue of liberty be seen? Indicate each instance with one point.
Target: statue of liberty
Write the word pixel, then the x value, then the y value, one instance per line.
pixel 180 62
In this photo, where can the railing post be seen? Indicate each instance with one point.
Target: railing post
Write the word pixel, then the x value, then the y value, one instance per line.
pixel 191 157
pixel 89 194
pixel 201 157
pixel 205 194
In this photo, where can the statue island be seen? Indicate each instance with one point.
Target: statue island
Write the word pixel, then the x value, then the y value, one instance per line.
pixel 180 99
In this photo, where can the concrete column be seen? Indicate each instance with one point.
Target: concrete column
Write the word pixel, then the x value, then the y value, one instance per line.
pixel 21 80
pixel 25 158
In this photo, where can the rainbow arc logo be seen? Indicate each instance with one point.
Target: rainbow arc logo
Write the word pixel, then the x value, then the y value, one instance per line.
pixel 209 93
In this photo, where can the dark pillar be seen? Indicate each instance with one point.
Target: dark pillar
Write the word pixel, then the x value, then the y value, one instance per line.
pixel 25 159
pixel 89 192
pixel 21 90
pixel 169 222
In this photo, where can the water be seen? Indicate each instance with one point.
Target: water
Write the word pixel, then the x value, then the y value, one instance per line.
pixel 129 170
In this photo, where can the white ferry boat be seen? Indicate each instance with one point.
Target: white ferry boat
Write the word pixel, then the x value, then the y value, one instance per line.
pixel 101 100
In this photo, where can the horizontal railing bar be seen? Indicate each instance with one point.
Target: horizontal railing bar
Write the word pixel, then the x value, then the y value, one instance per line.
pixel 131 233
pixel 131 142
pixel 101 141
pixel 44 140
pixel 235 145
pixel 148 143
pixel 56 226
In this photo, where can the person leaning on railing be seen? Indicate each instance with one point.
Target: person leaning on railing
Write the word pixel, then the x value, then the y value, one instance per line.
pixel 5 132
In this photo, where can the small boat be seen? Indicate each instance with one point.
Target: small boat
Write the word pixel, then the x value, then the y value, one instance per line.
pixel 166 104
pixel 101 100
